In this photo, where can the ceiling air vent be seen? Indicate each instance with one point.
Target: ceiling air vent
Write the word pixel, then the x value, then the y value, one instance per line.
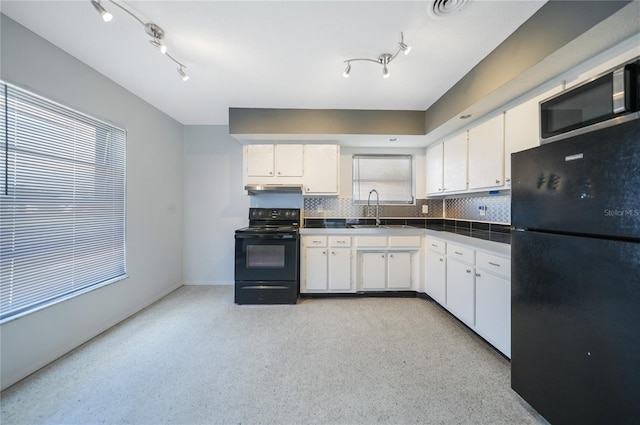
pixel 444 8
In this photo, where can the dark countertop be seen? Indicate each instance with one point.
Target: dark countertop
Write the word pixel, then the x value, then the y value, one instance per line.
pixel 487 231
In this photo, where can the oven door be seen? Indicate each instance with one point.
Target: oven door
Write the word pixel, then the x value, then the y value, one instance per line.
pixel 266 257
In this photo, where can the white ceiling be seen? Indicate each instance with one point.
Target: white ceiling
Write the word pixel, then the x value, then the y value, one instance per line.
pixel 276 54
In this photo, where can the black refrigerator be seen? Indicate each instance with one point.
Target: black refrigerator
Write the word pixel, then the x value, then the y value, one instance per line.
pixel 575 324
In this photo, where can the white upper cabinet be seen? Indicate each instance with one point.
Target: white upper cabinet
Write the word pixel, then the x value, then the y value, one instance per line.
pixel 321 169
pixel 434 169
pixel 455 164
pixel 260 160
pixel 522 128
pixel 289 160
pixel 486 154
pixel 269 163
pixel 315 167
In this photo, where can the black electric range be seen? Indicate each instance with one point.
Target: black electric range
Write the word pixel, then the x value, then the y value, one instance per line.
pixel 267 257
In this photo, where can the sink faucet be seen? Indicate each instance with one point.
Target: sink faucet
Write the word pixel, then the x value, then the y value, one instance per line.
pixel 377 205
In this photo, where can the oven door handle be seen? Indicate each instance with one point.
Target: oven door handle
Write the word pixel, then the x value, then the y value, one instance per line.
pixel 263 236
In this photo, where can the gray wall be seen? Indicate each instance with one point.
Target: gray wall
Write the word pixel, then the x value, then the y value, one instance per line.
pixel 214 204
pixel 154 203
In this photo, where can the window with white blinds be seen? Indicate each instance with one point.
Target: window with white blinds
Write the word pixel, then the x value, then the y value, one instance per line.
pixel 62 216
pixel 390 175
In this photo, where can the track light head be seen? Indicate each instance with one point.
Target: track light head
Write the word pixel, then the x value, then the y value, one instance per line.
pixel 182 73
pixel 106 16
pixel 347 70
pixel 403 47
pixel 159 45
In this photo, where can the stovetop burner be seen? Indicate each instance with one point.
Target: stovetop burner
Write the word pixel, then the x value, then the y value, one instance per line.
pixel 272 220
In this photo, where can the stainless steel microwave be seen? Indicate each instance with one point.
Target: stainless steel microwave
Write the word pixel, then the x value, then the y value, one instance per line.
pixel 605 100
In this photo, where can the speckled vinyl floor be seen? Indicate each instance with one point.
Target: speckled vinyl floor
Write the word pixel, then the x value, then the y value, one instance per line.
pixel 195 357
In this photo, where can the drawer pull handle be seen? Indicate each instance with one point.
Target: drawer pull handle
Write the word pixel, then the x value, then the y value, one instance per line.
pixel 477 274
pixel 342 242
pixel 494 264
pixel 441 259
pixel 458 253
pixel 315 242
pixel 434 245
pixel 468 271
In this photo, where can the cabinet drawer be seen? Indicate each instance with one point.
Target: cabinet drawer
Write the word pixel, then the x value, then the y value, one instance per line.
pixel 494 264
pixel 466 255
pixel 371 241
pixel 436 245
pixel 339 241
pixel 319 241
pixel 404 241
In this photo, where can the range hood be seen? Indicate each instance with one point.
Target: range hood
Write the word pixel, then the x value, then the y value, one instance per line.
pixel 259 189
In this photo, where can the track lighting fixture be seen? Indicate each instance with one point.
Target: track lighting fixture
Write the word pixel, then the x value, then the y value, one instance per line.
pixel 153 30
pixel 106 16
pixel 384 59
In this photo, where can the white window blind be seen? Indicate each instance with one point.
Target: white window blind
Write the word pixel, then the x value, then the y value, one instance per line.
pixel 390 175
pixel 62 216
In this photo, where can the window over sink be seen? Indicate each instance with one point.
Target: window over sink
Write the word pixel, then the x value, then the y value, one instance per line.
pixel 390 175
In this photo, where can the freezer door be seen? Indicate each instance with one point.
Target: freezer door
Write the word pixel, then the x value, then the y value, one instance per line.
pixel 588 184
pixel 575 327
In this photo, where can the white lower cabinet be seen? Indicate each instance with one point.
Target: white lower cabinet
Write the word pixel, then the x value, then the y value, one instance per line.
pixel 493 301
pixel 326 265
pixel 388 263
pixel 399 270
pixel 339 269
pixel 475 286
pixel 435 275
pixel 461 290
pixel 374 270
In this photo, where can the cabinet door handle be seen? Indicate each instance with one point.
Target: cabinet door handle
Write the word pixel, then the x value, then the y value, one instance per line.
pixel 270 173
pixel 497 181
pixel 477 274
pixel 308 189
pixel 441 259
pixel 434 245
pixel 281 173
pixel 458 253
pixel 468 271
pixel 508 180
pixel 382 255
pixel 494 264
pixel 324 252
pixel 333 252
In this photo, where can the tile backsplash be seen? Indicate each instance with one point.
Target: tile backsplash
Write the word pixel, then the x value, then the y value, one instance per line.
pixel 497 208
